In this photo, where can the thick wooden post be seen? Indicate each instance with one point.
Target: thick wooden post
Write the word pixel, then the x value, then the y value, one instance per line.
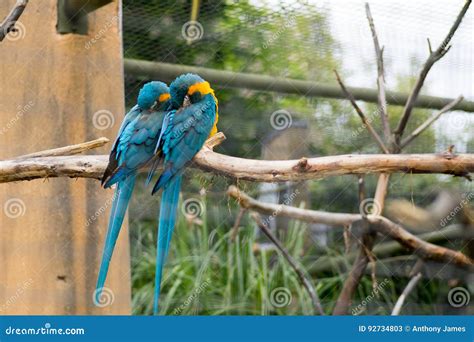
pixel 58 89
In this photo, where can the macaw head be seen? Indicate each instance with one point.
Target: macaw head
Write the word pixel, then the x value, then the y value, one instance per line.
pixel 154 95
pixel 188 89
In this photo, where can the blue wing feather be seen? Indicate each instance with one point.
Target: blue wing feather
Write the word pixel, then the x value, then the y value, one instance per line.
pixel 133 149
pixel 182 139
pixel 168 210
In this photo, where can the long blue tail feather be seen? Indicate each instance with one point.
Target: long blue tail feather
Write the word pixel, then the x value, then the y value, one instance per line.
pixel 117 214
pixel 168 211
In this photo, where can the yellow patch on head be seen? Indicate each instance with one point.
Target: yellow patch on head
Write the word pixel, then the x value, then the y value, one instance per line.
pixel 205 88
pixel 164 97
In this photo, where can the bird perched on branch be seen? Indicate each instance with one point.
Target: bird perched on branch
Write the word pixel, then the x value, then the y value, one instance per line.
pixel 191 120
pixel 135 146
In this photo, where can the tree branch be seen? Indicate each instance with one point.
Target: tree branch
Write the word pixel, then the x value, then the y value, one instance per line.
pixel 423 249
pixel 8 24
pixel 354 277
pixel 361 114
pixel 249 169
pixel 378 224
pixel 312 216
pixel 68 150
pixel 301 275
pixel 436 55
pixel 416 277
pixel 380 76
pixel 420 129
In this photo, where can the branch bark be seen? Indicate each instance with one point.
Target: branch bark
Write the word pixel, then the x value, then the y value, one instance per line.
pixel 68 150
pixel 434 56
pixel 415 278
pixel 8 24
pixel 420 129
pixel 378 224
pixel 362 116
pixel 248 169
pixel 380 76
pixel 313 168
pixel 313 216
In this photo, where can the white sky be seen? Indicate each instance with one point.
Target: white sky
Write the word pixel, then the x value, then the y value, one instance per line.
pixel 403 27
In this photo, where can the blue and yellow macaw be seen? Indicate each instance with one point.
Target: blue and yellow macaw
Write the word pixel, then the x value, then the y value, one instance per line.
pixel 135 146
pixel 191 120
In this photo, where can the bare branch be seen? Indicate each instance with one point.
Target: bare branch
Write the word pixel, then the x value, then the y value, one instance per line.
pixel 436 55
pixel 416 277
pixel 313 216
pixel 361 114
pixel 301 275
pixel 8 24
pixel 255 170
pixel 68 150
pixel 380 76
pixel 365 254
pixel 420 129
pixel 235 228
pixel 423 249
pixel 378 224
pixel 354 277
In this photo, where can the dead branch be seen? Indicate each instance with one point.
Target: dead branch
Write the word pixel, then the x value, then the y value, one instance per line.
pixel 314 168
pixel 361 114
pixel 378 224
pixel 354 277
pixel 434 56
pixel 380 76
pixel 301 275
pixel 8 24
pixel 235 228
pixel 326 263
pixel 423 249
pixel 68 150
pixel 249 169
pixel 416 277
pixel 420 129
pixel 313 216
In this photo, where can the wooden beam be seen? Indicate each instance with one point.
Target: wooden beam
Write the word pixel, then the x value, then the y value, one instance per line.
pixel 230 79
